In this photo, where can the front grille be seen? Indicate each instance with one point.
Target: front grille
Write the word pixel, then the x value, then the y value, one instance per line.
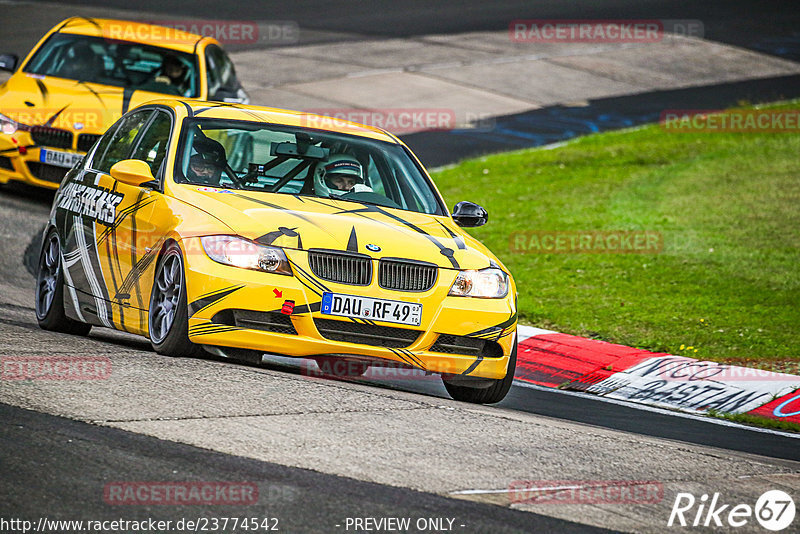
pixel 406 275
pixel 277 322
pixel 44 171
pixel 86 141
pixel 52 137
pixel 342 267
pixel 5 163
pixel 366 334
pixel 467 346
pixel 449 344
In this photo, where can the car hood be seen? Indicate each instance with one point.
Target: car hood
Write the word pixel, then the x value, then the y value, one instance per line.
pixel 67 104
pixel 303 222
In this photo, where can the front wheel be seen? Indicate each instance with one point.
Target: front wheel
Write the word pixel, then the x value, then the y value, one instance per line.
pixel 50 291
pixel 486 395
pixel 168 317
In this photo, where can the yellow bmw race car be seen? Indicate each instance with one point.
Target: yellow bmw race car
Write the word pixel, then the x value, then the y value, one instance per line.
pixel 323 239
pixel 83 75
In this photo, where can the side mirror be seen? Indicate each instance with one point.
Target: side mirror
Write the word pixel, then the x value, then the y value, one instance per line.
pixel 132 172
pixel 469 214
pixel 9 62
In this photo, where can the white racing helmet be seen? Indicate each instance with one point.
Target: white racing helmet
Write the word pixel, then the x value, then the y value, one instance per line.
pixel 331 176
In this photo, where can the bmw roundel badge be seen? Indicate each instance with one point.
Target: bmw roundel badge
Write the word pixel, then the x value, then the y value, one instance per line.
pixel 373 248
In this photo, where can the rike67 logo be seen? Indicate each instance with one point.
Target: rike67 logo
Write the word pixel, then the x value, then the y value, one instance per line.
pixel 774 510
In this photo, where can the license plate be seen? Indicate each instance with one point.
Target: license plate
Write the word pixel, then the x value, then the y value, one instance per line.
pixel 58 158
pixel 390 311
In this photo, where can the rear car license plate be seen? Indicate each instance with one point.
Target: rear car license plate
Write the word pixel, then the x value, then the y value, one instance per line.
pixel 390 311
pixel 58 158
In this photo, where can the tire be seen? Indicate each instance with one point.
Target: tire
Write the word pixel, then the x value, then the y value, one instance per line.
pixel 49 302
pixel 168 317
pixel 487 395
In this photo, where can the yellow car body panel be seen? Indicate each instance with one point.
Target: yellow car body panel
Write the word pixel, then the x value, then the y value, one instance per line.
pixel 81 110
pixel 122 252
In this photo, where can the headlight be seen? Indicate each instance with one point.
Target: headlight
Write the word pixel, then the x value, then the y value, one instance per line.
pixel 246 254
pixel 9 125
pixel 488 283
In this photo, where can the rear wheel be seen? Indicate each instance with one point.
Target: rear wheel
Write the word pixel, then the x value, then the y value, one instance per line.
pixel 50 291
pixel 168 318
pixel 485 395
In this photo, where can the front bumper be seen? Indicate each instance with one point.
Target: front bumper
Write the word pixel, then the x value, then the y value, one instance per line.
pixel 232 307
pixel 26 167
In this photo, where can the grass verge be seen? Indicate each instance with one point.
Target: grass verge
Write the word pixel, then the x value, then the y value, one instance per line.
pixel 758 420
pixel 725 286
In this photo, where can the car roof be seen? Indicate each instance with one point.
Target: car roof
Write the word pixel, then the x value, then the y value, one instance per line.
pixel 219 110
pixel 137 32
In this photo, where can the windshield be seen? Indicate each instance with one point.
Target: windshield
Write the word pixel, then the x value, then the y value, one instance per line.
pixel 119 63
pixel 297 161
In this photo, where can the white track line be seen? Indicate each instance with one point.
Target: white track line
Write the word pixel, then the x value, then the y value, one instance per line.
pixel 513 490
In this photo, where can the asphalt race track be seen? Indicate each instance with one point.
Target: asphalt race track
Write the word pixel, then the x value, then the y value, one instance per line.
pixel 743 23
pixel 321 451
pixel 32 439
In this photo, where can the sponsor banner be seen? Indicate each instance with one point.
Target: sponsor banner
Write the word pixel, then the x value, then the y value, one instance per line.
pixel 785 408
pixel 551 359
pixel 690 370
pixel 678 382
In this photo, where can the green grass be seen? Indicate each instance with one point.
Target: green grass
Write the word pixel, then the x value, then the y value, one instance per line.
pixel 757 420
pixel 727 282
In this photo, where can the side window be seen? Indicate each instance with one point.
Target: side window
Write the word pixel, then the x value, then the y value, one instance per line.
pixel 152 145
pixel 212 72
pixel 120 144
pixel 220 71
pixel 102 146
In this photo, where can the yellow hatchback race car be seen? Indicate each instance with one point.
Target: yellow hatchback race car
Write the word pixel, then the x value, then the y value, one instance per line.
pixel 311 237
pixel 83 75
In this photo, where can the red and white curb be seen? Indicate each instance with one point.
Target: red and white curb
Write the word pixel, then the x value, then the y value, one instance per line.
pixel 555 360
